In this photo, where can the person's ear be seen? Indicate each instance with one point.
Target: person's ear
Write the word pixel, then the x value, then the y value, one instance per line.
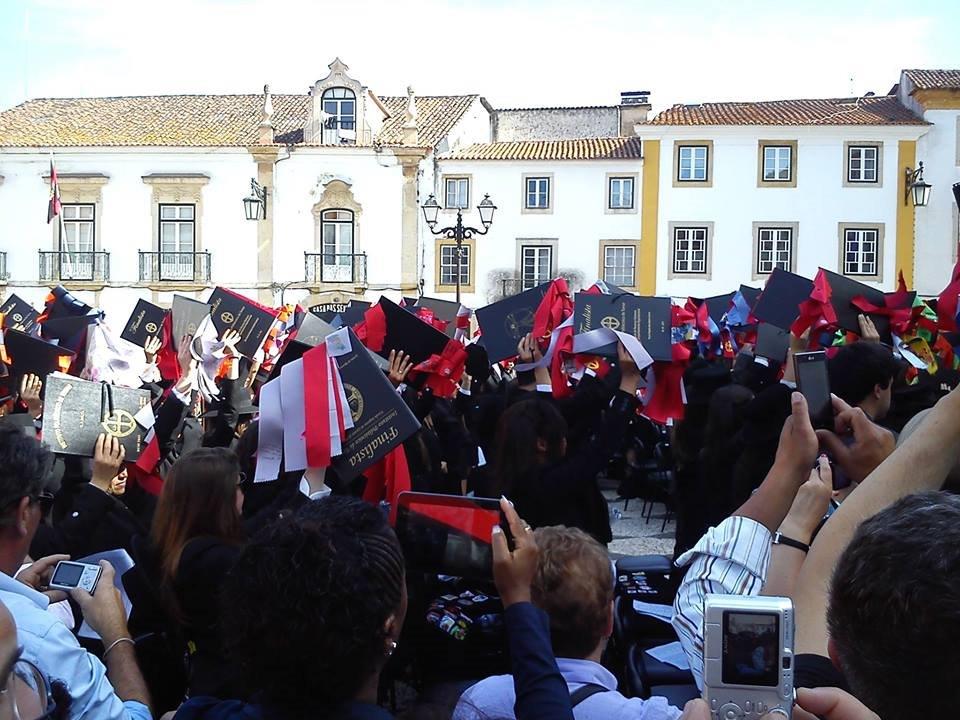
pixel 878 391
pixel 541 445
pixel 608 632
pixel 23 515
pixel 391 631
pixel 834 655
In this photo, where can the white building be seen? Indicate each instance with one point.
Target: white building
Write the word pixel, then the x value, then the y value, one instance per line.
pixel 732 190
pixel 693 201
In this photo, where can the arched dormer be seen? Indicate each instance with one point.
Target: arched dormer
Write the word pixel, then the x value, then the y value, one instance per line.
pixel 338 111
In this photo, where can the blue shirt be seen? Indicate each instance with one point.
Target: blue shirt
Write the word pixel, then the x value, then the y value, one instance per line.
pixel 494 697
pixel 50 645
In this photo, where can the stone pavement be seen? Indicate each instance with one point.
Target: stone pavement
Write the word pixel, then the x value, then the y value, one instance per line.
pixel 632 533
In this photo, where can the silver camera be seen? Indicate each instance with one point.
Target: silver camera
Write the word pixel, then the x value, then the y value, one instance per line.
pixel 748 656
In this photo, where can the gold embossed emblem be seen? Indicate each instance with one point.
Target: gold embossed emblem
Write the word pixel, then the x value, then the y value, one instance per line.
pixel 227 317
pixel 151 327
pixel 516 323
pixel 119 424
pixel 17 318
pixel 354 400
pixel 610 322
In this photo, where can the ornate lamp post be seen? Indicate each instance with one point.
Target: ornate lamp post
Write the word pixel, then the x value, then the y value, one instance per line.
pixel 459 232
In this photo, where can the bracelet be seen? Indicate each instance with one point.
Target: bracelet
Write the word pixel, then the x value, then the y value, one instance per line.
pixel 115 643
pixel 781 539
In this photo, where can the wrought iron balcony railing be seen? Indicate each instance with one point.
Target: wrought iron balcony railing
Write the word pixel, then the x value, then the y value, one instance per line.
pixel 82 266
pixel 4 275
pixel 335 268
pixel 184 267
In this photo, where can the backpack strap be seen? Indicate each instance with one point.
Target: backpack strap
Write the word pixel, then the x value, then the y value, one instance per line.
pixel 582 693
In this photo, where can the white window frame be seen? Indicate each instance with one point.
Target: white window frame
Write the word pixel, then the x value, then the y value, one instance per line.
pixel 688 240
pixel 774 255
pixel 461 193
pixel 340 269
pixel 861 236
pixel 610 264
pixel 340 126
pixel 541 190
pixel 861 178
pixel 177 263
pixel 777 158
pixel 536 251
pixel 448 257
pixel 73 222
pixel 619 182
pixel 693 151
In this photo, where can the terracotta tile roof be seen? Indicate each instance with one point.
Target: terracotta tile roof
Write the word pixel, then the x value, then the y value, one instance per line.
pixel 196 120
pixel 934 79
pixel 610 148
pixel 882 110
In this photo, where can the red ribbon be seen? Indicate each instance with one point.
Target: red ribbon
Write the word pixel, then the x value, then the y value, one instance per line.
pixel 555 307
pixel 372 330
pixel 386 479
pixel 947 302
pixel 667 401
pixel 431 319
pixel 167 361
pixel 443 371
pixel 680 316
pixel 817 311
pixel 316 376
pixel 564 348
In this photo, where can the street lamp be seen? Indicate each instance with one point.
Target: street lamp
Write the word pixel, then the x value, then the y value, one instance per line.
pixel 459 232
pixel 255 206
pixel 917 187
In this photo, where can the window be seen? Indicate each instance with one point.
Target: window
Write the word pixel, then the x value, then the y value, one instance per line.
pixel 620 193
pixel 777 163
pixel 774 249
pixel 620 264
pixel 693 163
pixel 536 265
pixel 177 242
pixel 861 251
pixel 537 193
pixel 78 229
pixel 457 193
pixel 448 265
pixel 863 163
pixel 690 250
pixel 340 115
pixel 336 233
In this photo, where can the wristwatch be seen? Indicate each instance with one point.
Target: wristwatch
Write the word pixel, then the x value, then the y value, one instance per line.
pixel 781 539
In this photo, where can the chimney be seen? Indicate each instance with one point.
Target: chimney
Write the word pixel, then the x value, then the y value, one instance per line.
pixel 266 114
pixel 634 108
pixel 410 134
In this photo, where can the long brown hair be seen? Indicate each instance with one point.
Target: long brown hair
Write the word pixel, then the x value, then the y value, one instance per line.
pixel 198 500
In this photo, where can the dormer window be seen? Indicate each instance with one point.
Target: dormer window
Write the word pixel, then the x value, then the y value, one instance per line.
pixel 340 116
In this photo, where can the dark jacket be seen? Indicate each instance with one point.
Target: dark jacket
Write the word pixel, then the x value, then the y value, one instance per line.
pixel 204 564
pixel 87 520
pixel 542 693
pixel 567 493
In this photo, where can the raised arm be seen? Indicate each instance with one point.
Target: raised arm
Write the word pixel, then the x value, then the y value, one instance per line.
pixel 920 464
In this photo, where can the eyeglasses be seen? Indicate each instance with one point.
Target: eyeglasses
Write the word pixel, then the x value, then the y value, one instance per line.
pixel 29 692
pixel 45 500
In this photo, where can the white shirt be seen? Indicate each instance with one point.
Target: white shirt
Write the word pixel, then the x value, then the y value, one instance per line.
pixel 730 559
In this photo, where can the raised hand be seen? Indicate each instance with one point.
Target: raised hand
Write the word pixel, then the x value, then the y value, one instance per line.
pixel 513 571
pixel 810 504
pixel 629 372
pixel 30 389
pixel 400 365
pixel 868 331
pixel 798 442
pixel 151 348
pixel 185 357
pixel 529 350
pixel 108 456
pixel 230 339
pixel 871 444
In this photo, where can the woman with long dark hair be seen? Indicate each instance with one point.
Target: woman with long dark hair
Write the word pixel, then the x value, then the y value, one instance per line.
pixel 197 535
pixel 548 486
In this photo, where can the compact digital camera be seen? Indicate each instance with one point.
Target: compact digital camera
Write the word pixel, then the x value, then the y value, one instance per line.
pixel 69 575
pixel 748 656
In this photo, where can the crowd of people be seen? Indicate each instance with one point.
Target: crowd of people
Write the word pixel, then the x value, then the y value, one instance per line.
pixel 292 598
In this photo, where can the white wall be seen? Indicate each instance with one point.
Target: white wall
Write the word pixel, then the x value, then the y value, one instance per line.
pixel 818 203
pixel 936 224
pixel 578 221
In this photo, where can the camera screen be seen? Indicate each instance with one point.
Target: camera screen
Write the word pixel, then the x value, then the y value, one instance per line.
pixel 751 649
pixel 67 574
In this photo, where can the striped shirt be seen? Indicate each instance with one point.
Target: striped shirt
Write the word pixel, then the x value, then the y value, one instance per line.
pixel 730 559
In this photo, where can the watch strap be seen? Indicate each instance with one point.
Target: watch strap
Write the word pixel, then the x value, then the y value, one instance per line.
pixel 781 539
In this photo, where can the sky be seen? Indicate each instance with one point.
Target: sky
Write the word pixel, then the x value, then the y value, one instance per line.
pixel 520 53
